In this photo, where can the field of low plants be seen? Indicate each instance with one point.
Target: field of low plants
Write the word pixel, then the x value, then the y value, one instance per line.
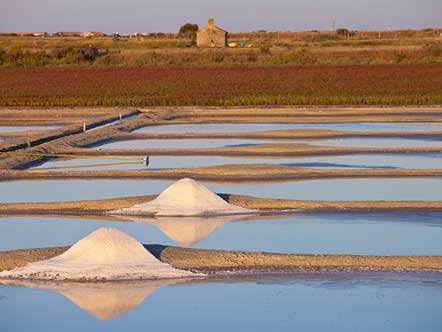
pixel 257 50
pixel 155 86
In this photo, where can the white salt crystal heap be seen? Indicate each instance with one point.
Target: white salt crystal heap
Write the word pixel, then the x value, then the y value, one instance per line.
pixel 105 254
pixel 185 197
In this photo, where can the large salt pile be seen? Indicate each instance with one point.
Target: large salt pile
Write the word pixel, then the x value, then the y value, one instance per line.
pixel 105 254
pixel 185 197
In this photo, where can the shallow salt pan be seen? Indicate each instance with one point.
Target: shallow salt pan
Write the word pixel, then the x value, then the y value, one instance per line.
pixel 12 129
pixel 105 254
pixel 247 127
pixel 341 162
pixel 184 143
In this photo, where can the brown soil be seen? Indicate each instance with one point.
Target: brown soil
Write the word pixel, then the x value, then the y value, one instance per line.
pixel 224 261
pixel 268 204
pixel 225 173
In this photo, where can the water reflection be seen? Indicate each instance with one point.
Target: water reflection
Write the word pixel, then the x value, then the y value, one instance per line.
pixel 112 300
pixel 399 233
pixel 400 189
pixel 103 300
pixel 186 231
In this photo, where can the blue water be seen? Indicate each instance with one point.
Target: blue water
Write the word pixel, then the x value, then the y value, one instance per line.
pixel 160 162
pixel 246 127
pixel 304 302
pixel 376 302
pixel 182 143
pixel 218 143
pixel 335 189
pixel 380 142
pixel 10 129
pixel 363 234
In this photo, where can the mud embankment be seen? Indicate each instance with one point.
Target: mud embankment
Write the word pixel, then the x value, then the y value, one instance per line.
pixel 37 138
pixel 269 205
pixel 68 141
pixel 311 111
pixel 253 173
pixel 228 261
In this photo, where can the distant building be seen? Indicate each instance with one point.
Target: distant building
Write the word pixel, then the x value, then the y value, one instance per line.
pixel 29 34
pixel 90 34
pixel 212 36
pixel 67 34
pixel 40 34
pixel 24 34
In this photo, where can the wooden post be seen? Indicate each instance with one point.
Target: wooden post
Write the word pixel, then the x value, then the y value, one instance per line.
pixel 84 127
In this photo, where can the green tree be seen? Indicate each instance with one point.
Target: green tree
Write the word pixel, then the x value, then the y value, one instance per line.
pixel 189 30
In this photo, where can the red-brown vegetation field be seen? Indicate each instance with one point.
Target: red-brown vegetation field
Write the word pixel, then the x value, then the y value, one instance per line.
pixel 153 86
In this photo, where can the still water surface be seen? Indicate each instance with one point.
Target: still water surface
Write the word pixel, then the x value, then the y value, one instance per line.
pixel 248 127
pixel 419 161
pixel 330 302
pixel 335 189
pixel 10 129
pixel 365 234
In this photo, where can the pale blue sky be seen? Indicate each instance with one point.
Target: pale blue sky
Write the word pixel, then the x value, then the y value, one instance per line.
pixel 233 15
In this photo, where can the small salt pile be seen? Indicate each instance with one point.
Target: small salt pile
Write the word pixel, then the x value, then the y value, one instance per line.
pixel 105 254
pixel 185 197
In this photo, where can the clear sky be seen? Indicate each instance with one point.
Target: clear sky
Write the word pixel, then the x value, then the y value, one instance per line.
pixel 128 16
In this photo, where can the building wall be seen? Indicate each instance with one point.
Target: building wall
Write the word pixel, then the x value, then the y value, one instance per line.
pixel 211 37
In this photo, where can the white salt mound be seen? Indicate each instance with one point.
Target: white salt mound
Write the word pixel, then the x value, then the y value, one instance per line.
pixel 185 197
pixel 105 254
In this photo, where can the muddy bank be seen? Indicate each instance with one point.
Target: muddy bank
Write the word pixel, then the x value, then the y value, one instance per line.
pixel 64 141
pixel 317 111
pixel 51 116
pixel 98 207
pixel 255 173
pixel 227 261
pixel 180 118
pixel 31 139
